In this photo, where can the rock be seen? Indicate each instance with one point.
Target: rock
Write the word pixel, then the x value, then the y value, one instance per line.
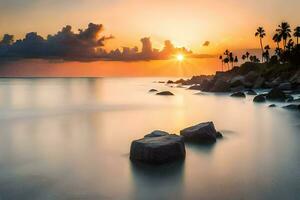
pixel 237 81
pixel 153 90
pixel 259 98
pixel 251 77
pixel 161 81
pixel 296 100
pixel 220 86
pixel 219 135
pixel 180 81
pixel 237 89
pixel 158 149
pixel 157 133
pixel 206 85
pixel 195 87
pixel 272 105
pixel 170 82
pixel 259 83
pixel 292 107
pixel 251 92
pixel 238 94
pixel 165 93
pixel 276 95
pixel 285 86
pixel 201 133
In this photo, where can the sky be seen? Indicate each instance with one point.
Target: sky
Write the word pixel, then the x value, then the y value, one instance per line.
pixel 189 23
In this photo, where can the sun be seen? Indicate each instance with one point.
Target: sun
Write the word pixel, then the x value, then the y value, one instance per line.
pixel 180 57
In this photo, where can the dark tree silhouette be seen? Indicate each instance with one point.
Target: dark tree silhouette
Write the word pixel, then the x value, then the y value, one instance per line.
pixel 260 32
pixel 277 39
pixel 221 58
pixel 284 32
pixel 297 33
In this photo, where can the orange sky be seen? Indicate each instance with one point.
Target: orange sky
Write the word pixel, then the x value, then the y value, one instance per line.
pixel 227 24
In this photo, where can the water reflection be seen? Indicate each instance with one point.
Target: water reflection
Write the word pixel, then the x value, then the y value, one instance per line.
pixel 153 182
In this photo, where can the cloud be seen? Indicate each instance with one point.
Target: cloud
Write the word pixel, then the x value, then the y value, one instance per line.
pixel 64 44
pixel 85 44
pixel 206 43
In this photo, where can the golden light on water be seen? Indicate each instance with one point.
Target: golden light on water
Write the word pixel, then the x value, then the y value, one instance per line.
pixel 180 57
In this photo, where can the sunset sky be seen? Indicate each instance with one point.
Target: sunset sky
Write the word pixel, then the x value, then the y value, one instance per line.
pixel 189 23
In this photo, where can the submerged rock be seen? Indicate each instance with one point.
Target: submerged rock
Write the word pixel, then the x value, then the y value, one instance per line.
pixel 153 90
pixel 292 107
pixel 165 93
pixel 201 133
pixel 259 98
pixel 272 106
pixel 158 147
pixel 276 95
pixel 238 94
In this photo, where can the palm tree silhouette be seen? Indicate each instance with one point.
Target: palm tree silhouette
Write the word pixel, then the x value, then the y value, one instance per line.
pixel 221 58
pixel 247 55
pixel 260 32
pixel 277 39
pixel 297 33
pixel 284 32
pixel 231 59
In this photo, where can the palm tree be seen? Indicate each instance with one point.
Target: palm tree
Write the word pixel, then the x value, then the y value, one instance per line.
pixel 221 58
pixel 244 57
pixel 226 61
pixel 260 32
pixel 247 55
pixel 284 32
pixel 290 45
pixel 231 59
pixel 297 33
pixel 277 39
pixel 236 60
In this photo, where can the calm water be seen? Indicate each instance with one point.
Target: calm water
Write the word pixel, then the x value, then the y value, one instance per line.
pixel 70 139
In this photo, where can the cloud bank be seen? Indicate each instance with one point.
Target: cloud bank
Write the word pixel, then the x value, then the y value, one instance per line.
pixel 85 44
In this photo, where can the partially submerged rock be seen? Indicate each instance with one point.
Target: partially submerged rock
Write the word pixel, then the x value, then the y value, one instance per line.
pixel 153 90
pixel 238 94
pixel 158 148
pixel 276 95
pixel 272 106
pixel 259 98
pixel 220 86
pixel 165 93
pixel 292 107
pixel 201 133
pixel 195 87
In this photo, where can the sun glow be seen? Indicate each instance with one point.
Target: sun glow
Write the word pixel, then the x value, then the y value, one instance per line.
pixel 180 57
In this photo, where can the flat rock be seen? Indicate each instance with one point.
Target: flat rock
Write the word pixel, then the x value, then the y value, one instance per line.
pixel 238 94
pixel 165 93
pixel 201 133
pixel 158 148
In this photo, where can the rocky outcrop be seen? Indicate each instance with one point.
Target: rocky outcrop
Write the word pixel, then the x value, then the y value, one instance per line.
pixel 165 93
pixel 201 133
pixel 158 147
pixel 285 86
pixel 220 86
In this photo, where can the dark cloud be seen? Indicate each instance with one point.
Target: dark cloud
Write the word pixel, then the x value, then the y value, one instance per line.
pixel 85 44
pixel 206 43
pixel 64 44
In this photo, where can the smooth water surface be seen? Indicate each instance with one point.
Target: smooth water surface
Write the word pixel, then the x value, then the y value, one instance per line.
pixel 70 139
